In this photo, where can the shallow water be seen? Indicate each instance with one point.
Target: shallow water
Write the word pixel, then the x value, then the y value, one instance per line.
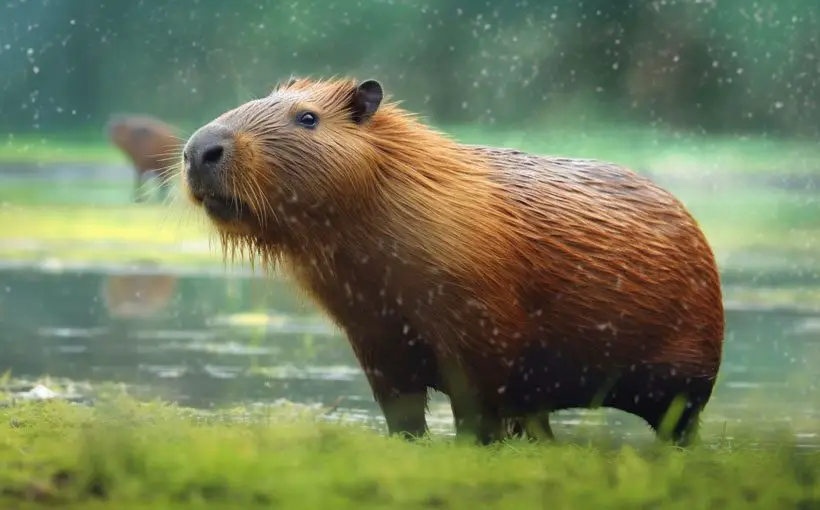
pixel 216 340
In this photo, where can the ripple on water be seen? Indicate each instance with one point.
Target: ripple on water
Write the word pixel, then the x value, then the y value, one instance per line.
pixel 71 349
pixel 227 347
pixel 164 371
pixel 223 372
pixel 323 373
pixel 195 335
pixel 63 332
pixel 810 326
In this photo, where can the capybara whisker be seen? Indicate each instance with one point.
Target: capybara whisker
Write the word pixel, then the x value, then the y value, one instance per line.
pixel 516 284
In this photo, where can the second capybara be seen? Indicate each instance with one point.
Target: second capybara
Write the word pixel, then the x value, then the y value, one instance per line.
pixel 150 144
pixel 516 284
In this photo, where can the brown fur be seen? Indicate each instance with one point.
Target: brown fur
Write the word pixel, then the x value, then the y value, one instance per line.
pixel 151 145
pixel 516 284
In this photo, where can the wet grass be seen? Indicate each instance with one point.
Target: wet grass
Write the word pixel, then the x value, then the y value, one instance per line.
pixel 124 454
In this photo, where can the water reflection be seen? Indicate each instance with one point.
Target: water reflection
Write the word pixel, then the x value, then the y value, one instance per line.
pixel 144 292
pixel 208 341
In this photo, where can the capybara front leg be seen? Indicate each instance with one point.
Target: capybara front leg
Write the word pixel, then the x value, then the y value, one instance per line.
pixel 399 374
pixel 405 414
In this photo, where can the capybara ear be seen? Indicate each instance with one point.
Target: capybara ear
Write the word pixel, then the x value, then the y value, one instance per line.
pixel 366 100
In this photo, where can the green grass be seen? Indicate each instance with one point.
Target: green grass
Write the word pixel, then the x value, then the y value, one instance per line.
pixel 664 152
pixel 54 149
pixel 748 225
pixel 743 224
pixel 125 454
pixel 111 233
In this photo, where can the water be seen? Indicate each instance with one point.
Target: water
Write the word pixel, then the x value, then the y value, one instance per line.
pixel 219 339
pixel 213 340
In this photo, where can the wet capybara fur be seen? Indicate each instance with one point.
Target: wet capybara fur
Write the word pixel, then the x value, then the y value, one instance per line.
pixel 151 145
pixel 515 284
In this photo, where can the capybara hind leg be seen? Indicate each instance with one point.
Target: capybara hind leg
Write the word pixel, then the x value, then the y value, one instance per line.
pixel 685 432
pixel 679 425
pixel 688 435
pixel 668 400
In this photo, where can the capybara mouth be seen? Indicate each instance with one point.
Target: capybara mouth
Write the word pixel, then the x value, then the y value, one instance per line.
pixel 223 208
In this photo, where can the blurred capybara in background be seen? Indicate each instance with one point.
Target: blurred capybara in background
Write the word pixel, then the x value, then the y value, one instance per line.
pixel 150 144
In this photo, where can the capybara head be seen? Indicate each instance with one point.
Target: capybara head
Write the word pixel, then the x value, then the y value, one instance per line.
pixel 292 156
pixel 142 137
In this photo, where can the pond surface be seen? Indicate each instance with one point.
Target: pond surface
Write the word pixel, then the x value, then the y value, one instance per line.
pixel 207 340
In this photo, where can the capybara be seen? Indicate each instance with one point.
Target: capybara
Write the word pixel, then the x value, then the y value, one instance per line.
pixel 515 284
pixel 150 144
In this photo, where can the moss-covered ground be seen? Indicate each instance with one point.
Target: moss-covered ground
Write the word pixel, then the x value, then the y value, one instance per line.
pixel 126 454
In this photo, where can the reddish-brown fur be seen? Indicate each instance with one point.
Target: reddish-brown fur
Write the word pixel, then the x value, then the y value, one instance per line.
pixel 515 284
pixel 151 145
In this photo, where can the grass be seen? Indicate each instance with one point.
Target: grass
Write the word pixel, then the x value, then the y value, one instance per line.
pixel 110 233
pixel 87 221
pixel 664 152
pixel 126 454
pixel 55 149
pixel 746 223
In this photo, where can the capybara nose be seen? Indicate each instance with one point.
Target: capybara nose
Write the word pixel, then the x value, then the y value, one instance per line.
pixel 208 151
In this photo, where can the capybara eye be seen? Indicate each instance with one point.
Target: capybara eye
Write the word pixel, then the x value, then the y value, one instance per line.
pixel 308 120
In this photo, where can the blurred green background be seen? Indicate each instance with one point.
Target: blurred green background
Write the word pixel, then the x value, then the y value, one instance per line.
pixel 715 100
pixel 726 67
